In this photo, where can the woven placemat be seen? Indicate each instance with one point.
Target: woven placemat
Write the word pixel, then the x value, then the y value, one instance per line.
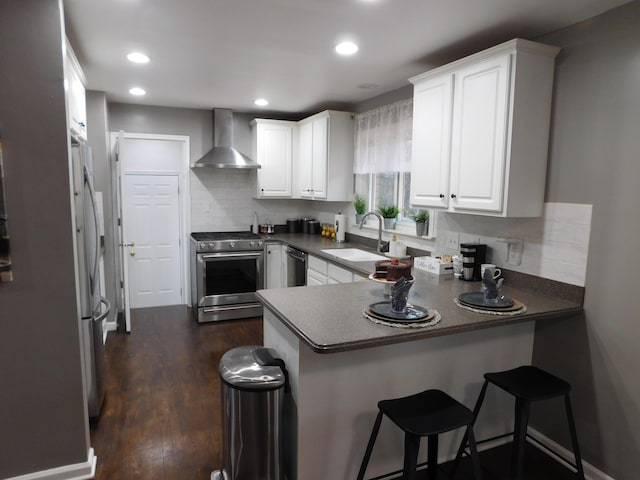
pixel 522 308
pixel 436 318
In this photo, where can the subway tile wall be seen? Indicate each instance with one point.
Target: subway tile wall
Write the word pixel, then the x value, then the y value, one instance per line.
pixel 222 200
pixel 555 245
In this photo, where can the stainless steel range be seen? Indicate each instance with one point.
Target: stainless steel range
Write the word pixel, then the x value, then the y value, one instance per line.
pixel 226 271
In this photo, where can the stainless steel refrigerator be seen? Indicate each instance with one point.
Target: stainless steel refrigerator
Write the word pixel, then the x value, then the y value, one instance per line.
pixel 93 308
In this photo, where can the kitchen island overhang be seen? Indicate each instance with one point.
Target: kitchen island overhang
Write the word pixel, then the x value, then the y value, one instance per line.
pixel 328 318
pixel 341 364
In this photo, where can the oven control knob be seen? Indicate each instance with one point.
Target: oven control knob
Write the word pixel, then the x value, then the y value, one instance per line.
pixel 203 246
pixel 252 244
pixel 232 244
pixel 260 243
pixel 212 245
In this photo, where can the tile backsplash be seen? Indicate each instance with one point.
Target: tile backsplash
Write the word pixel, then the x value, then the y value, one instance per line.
pixel 223 200
pixel 555 246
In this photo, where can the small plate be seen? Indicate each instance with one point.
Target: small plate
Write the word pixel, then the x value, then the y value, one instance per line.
pixel 382 310
pixel 476 299
pixel 384 280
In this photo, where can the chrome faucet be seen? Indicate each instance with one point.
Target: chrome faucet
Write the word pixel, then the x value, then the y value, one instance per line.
pixel 381 244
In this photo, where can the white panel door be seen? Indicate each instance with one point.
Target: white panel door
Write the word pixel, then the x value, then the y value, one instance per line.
pixel 481 100
pixel 153 226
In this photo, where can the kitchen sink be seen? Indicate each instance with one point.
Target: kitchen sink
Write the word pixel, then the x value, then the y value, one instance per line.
pixel 354 254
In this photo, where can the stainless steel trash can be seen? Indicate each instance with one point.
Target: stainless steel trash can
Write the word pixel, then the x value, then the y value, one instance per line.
pixel 253 384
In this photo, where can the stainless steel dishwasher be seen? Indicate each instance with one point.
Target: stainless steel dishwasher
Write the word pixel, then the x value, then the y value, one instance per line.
pixel 296 267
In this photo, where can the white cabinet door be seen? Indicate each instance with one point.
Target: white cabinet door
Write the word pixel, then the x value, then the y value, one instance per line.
pixel 305 161
pixel 275 275
pixel 325 157
pixel 432 109
pixel 498 105
pixel 315 278
pixel 338 274
pixel 479 135
pixel 76 95
pixel 273 150
pixel 320 139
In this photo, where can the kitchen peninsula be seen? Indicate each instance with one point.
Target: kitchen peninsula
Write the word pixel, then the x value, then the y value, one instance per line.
pixel 341 364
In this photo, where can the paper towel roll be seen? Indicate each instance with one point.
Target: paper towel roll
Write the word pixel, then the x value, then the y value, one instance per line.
pixel 340 224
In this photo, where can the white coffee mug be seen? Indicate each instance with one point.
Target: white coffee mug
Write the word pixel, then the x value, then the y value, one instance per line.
pixel 495 271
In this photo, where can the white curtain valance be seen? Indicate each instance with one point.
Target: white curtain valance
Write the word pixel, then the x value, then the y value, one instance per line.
pixel 383 139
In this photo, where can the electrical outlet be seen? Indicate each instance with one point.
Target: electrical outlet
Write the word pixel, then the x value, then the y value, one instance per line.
pixel 453 240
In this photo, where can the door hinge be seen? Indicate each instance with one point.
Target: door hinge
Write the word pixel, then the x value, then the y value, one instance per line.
pixel 119 223
pixel 121 284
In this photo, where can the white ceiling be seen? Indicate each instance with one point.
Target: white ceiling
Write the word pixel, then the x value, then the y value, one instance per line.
pixel 226 53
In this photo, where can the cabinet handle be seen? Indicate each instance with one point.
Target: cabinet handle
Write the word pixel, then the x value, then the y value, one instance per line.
pixel 453 195
pixel 442 195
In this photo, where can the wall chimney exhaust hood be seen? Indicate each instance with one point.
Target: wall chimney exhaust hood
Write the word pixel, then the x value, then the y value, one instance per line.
pixel 223 155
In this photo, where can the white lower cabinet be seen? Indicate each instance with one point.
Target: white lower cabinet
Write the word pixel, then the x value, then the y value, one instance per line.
pixel 322 272
pixel 481 132
pixel 275 266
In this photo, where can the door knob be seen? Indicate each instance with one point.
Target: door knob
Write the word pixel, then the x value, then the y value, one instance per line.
pixel 132 253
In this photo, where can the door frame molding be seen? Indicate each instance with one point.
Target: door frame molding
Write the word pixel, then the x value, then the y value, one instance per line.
pixel 184 195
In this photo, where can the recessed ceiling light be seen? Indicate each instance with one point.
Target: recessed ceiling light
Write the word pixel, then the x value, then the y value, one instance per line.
pixel 346 48
pixel 137 91
pixel 138 57
pixel 261 102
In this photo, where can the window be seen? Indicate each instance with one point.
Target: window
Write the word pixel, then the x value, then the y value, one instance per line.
pixel 383 159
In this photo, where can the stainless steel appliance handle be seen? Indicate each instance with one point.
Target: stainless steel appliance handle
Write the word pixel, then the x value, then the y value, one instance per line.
pixel 107 304
pixel 229 308
pixel 297 254
pixel 227 255
pixel 93 278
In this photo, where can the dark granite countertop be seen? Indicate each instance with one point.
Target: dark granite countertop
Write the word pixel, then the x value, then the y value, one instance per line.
pixel 329 318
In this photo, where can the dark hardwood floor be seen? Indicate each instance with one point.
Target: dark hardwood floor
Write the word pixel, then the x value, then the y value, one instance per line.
pixel 161 417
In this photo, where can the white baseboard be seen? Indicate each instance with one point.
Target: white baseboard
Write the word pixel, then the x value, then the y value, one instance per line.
pixel 76 471
pixel 590 472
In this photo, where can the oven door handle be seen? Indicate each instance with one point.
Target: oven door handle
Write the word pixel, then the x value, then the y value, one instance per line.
pixel 227 255
pixel 229 308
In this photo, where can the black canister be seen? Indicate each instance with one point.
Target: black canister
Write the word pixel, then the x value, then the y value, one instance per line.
pixel 305 224
pixel 314 227
pixel 294 225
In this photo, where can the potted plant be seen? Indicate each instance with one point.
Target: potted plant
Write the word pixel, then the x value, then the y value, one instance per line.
pixel 361 207
pixel 389 213
pixel 421 217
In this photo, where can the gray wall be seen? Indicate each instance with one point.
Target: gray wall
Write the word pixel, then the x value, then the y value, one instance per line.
pixel 42 408
pixel 594 159
pixel 595 142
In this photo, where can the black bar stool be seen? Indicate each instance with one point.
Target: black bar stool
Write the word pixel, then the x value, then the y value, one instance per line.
pixel 428 413
pixel 527 384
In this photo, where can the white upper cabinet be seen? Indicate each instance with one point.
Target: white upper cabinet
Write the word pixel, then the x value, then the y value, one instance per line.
pixel 432 109
pixel 481 130
pixel 273 147
pixel 76 97
pixel 325 160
